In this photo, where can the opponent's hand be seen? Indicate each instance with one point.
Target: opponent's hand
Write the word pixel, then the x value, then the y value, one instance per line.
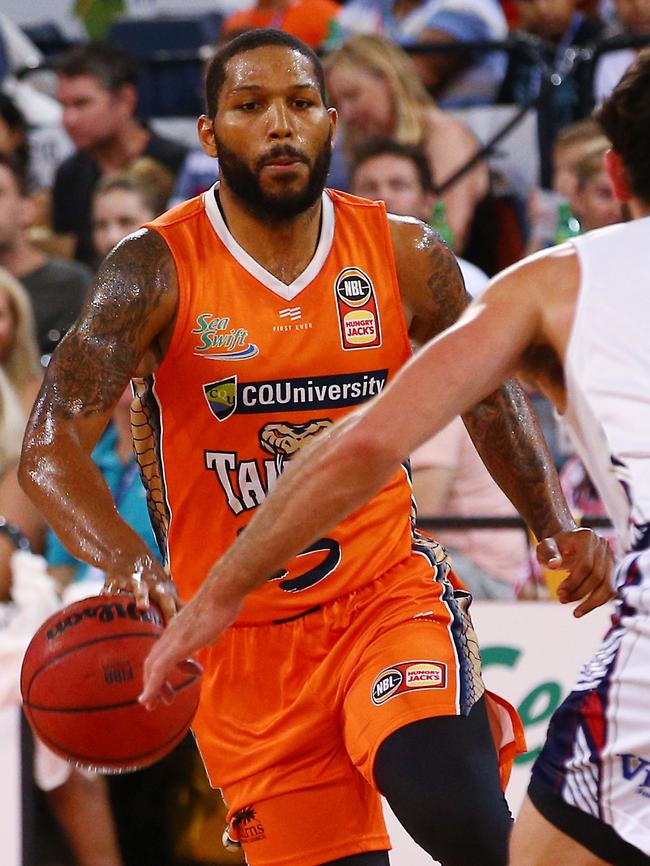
pixel 148 582
pixel 590 563
pixel 199 624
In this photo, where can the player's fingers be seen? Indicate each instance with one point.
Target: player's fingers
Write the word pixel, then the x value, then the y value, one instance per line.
pixel 600 596
pixel 548 553
pixel 141 592
pixel 167 604
pixel 602 590
pixel 167 693
pixel 191 666
pixel 154 677
pixel 588 573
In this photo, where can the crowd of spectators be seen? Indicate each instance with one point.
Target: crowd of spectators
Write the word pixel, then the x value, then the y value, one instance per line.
pixel 411 80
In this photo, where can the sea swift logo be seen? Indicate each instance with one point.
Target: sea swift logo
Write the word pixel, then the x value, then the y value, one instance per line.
pixel 216 333
pixel 407 677
pixel 357 309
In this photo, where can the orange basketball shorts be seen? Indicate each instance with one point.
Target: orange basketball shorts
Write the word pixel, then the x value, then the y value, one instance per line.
pixel 292 714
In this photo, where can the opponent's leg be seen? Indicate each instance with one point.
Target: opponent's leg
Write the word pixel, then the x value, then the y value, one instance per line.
pixel 537 842
pixel 441 778
pixel 370 858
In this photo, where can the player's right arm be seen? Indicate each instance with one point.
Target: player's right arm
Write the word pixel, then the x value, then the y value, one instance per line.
pixel 123 329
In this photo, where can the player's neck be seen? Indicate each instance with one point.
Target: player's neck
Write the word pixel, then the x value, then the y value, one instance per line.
pixel 284 248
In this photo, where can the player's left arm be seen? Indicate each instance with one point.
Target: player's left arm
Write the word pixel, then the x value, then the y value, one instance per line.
pixel 503 426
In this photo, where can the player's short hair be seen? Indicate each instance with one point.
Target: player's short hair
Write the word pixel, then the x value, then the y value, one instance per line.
pixel 374 147
pixel 248 41
pixel 625 119
pixel 112 66
pixel 17 171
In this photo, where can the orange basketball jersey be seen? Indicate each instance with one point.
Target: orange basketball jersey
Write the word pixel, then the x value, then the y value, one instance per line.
pixel 255 370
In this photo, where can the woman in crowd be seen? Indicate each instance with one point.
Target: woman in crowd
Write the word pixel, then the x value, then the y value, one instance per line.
pixel 372 83
pixel 20 366
pixel 123 202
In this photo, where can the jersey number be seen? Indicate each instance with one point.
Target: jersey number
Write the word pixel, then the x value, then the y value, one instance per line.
pixel 309 578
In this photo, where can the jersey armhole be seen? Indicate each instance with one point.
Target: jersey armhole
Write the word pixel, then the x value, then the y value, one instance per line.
pixel 392 265
pixel 183 302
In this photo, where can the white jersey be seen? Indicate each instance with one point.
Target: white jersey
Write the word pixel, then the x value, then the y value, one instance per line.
pixel 607 370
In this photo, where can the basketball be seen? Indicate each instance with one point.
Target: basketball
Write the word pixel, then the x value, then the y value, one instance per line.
pixel 80 681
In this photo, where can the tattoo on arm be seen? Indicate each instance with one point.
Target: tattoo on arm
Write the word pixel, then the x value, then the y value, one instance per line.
pixel 507 435
pixel 99 355
pixel 439 298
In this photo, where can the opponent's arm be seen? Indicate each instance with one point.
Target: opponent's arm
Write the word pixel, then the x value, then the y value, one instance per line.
pixel 503 427
pixel 129 309
pixel 353 460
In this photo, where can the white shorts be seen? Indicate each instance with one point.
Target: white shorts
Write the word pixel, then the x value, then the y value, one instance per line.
pixel 597 752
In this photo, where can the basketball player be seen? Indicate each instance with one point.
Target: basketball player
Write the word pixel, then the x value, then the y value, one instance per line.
pixel 260 313
pixel 574 321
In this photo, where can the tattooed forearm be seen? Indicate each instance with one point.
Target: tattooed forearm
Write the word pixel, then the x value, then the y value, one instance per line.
pixel 99 355
pixel 503 427
pixel 507 436
pixel 131 303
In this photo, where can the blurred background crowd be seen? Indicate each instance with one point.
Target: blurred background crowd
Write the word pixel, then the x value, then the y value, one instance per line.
pixel 473 116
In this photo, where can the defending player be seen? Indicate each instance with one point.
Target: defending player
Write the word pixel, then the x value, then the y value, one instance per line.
pixel 260 313
pixel 573 320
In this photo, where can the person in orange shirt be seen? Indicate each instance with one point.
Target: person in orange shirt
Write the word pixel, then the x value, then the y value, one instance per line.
pixel 260 313
pixel 309 20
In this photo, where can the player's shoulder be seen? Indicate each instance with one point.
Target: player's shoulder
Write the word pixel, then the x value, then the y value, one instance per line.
pixel 343 200
pixel 186 210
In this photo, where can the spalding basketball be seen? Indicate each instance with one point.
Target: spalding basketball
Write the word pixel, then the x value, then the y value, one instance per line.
pixel 80 681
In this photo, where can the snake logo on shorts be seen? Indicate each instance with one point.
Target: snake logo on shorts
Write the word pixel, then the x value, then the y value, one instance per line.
pixel 407 677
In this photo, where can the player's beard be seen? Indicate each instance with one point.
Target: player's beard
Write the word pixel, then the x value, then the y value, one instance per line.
pixel 245 184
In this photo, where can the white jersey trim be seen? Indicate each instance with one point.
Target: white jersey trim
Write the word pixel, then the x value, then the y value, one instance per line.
pixel 288 292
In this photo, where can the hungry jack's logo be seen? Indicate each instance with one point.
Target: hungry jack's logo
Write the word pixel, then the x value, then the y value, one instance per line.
pixel 357 310
pixel 406 677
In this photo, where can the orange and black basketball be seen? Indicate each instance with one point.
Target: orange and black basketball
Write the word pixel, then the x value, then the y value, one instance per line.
pixel 80 681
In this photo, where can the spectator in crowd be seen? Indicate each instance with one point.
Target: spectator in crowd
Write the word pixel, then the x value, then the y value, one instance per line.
pixel 553 27
pixel 594 200
pixel 123 202
pixel 632 19
pixel 309 20
pixel 399 175
pixel 56 286
pixel 448 475
pixel 19 361
pixel 456 78
pixel 13 132
pixel 377 93
pixel 570 146
pixel 98 92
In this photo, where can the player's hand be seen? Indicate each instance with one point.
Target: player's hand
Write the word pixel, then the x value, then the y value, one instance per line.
pixel 148 582
pixel 199 624
pixel 590 563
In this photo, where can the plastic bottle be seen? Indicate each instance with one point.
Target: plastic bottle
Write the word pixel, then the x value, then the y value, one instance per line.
pixel 567 225
pixel 439 222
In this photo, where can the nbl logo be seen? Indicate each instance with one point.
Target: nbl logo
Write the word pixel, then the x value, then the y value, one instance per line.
pixel 353 287
pixel 357 310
